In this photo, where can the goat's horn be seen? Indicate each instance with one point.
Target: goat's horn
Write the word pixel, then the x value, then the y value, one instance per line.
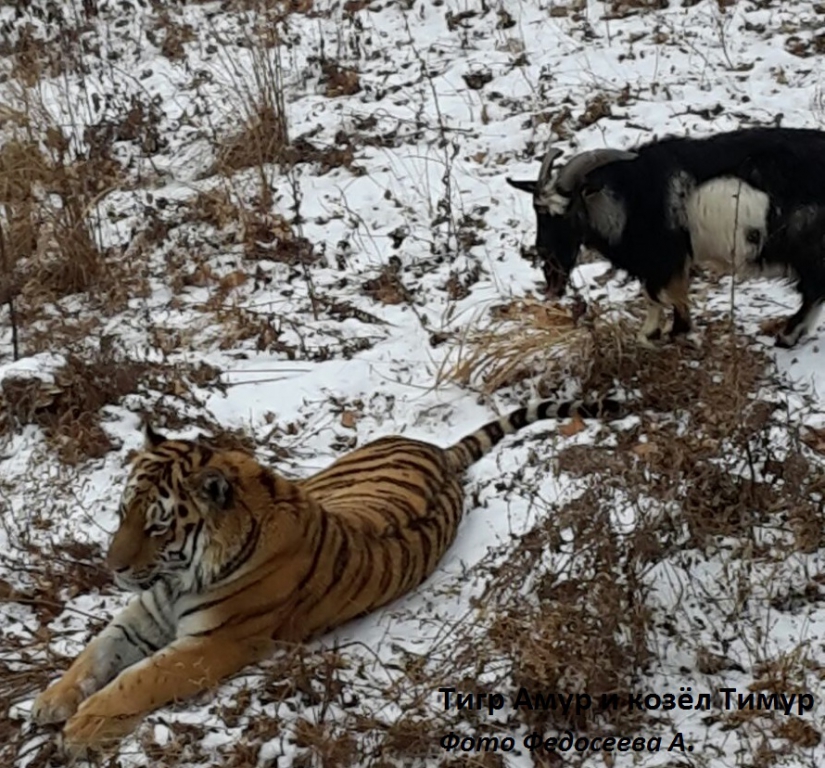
pixel 580 165
pixel 547 167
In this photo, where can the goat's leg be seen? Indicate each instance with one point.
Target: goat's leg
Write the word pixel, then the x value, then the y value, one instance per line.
pixel 801 322
pixel 807 261
pixel 677 294
pixel 651 329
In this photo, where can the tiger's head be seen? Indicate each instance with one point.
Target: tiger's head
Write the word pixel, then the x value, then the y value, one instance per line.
pixel 177 515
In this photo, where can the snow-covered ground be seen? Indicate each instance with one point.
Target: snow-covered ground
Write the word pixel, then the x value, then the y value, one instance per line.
pixel 320 310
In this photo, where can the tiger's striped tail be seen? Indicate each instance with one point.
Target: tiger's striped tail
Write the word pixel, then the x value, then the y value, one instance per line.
pixel 472 447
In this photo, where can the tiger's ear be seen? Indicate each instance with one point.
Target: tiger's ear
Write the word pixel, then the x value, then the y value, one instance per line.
pixel 214 488
pixel 152 439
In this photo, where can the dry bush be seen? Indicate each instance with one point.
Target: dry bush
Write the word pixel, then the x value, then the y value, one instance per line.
pixel 264 137
pixel 23 166
pixel 261 141
pixel 521 335
pixel 48 577
pixel 52 180
pixel 51 242
pixel 705 442
pixel 69 408
pixel 702 465
pixel 581 628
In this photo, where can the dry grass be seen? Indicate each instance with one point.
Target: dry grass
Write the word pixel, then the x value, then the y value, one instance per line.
pixel 701 467
pixel 262 140
pixel 51 243
pixel 523 335
pixel 69 409
pixel 264 136
pixel 582 628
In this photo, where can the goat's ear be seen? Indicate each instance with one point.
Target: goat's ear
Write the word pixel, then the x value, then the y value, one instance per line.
pixel 523 185
pixel 606 214
pixel 589 190
pixel 214 488
pixel 151 438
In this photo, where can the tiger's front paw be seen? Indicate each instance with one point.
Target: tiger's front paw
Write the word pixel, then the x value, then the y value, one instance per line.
pixel 57 703
pixel 95 726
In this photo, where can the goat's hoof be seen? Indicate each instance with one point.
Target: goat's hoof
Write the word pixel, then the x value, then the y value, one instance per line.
pixel 786 341
pixel 649 342
pixel 690 338
pixel 789 337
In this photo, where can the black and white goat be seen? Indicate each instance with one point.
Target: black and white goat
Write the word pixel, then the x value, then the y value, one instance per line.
pixel 749 201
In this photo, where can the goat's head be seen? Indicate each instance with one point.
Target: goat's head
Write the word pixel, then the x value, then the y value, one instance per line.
pixel 558 234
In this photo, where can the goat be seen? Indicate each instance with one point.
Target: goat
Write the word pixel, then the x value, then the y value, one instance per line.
pixel 749 201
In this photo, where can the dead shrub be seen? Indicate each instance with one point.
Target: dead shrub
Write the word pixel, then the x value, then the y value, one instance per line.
pixel 387 287
pixel 339 80
pixel 261 141
pixel 264 137
pixel 521 335
pixel 48 194
pixel 69 408
pixel 23 166
pixel 581 629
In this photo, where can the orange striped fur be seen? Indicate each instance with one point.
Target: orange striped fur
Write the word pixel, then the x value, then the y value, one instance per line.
pixel 226 556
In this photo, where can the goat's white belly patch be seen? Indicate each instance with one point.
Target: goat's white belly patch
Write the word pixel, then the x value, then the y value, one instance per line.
pixel 724 217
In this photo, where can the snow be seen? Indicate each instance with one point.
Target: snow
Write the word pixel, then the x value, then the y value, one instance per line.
pixel 436 147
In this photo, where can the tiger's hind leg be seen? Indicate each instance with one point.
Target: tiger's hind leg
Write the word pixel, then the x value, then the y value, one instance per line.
pixel 138 631
pixel 185 667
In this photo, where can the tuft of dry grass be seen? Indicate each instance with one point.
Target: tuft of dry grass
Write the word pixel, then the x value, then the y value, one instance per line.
pixel 521 335
pixel 583 628
pixel 702 466
pixel 69 408
pixel 261 141
pixel 50 231
pixel 264 136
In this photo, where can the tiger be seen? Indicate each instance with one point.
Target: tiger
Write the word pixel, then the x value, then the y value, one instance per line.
pixel 227 558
